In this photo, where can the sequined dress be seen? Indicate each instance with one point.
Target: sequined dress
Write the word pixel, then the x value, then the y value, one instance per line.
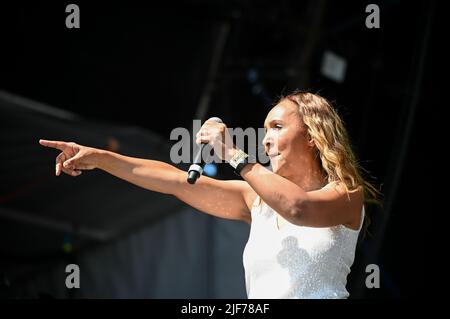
pixel 297 261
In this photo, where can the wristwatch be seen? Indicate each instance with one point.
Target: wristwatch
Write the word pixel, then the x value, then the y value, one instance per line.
pixel 239 160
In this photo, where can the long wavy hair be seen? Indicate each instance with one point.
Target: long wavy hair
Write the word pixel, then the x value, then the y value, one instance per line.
pixel 332 144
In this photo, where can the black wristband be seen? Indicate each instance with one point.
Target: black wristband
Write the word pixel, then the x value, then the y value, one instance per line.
pixel 248 160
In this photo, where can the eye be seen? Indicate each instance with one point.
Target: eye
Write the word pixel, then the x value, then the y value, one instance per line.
pixel 278 126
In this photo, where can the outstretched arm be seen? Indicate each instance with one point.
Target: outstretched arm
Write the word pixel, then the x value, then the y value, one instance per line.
pixel 225 199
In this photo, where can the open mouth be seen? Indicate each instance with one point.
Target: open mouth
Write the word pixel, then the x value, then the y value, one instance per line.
pixel 274 155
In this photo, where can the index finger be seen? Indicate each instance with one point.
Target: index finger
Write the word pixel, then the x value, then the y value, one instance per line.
pixel 54 144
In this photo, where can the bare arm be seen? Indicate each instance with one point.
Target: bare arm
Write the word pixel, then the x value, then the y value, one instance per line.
pixel 225 199
pixel 325 207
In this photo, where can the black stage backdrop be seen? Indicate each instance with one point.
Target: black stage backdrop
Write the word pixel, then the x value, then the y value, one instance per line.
pixel 133 72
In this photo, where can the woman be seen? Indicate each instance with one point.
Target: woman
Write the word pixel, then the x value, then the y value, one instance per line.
pixel 305 214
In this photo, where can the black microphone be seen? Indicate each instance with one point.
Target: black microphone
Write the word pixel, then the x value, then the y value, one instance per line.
pixel 196 169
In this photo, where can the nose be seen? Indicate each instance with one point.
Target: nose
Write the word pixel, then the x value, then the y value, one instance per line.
pixel 268 141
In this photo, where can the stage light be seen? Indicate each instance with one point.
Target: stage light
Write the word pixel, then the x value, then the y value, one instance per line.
pixel 210 169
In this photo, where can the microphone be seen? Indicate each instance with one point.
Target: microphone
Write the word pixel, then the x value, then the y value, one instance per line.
pixel 196 169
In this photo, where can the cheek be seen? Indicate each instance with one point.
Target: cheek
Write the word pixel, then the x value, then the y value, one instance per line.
pixel 288 141
pixel 293 145
pixel 283 141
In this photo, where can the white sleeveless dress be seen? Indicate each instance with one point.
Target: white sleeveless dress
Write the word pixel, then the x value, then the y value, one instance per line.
pixel 297 261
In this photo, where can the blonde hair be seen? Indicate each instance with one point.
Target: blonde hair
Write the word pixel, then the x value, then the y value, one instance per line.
pixel 332 143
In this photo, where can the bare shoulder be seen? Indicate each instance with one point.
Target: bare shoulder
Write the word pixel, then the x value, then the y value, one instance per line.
pixel 352 199
pixel 340 189
pixel 333 205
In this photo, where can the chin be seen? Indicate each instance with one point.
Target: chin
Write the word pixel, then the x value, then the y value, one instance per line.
pixel 275 167
pixel 275 163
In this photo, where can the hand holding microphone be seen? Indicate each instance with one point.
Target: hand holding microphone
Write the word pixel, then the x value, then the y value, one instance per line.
pixel 214 133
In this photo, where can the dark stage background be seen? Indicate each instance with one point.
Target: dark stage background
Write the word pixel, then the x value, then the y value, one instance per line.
pixel 133 72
